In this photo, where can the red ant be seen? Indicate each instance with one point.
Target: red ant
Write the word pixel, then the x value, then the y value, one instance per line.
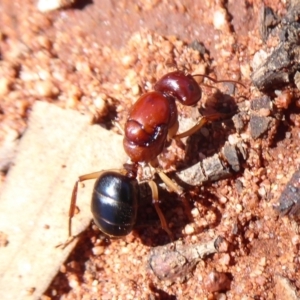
pixel 152 120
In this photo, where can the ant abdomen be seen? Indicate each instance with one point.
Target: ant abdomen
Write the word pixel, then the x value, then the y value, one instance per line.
pixel 114 203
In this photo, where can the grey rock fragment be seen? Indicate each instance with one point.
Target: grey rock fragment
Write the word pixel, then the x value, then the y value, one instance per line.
pixel 193 175
pixel 259 125
pixel 277 69
pixel 261 103
pixel 289 200
pixel 175 261
pixel 210 169
pixel 214 168
pixel 268 20
pixel 231 155
pixel 239 121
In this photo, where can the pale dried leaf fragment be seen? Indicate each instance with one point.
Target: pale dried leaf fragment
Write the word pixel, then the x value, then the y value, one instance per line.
pixel 58 146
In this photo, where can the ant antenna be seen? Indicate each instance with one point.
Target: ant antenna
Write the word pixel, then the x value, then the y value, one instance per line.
pixel 219 81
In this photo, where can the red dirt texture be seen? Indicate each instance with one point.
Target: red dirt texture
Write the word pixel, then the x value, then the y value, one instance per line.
pixel 97 58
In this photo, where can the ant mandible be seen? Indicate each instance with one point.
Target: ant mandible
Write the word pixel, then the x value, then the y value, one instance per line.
pixel 152 120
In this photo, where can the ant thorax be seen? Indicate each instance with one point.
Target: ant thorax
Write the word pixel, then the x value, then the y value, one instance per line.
pixel 145 172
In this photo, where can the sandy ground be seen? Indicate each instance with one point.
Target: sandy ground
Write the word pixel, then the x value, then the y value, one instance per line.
pixel 98 58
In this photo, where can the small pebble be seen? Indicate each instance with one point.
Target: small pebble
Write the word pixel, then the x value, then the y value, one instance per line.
pixel 189 229
pixel 46 89
pixel 128 60
pixel 98 250
pixel 217 281
pixel 5 84
pixel 73 281
pixel 101 106
pixel 225 259
pixel 195 212
pixel 219 19
pixel 48 5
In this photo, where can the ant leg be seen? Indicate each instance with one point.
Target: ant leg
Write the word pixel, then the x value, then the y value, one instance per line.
pixel 176 189
pixel 73 205
pixel 203 120
pixel 118 126
pixel 209 118
pixel 161 216
pixel 173 130
pixel 72 208
pixel 74 196
pixel 169 183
